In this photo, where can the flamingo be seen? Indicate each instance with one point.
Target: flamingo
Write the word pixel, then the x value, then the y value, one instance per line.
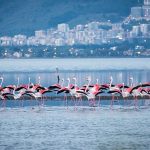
pixel 2 79
pixel 113 89
pixel 73 91
pixel 4 92
pixel 36 90
pixel 135 91
pixel 66 90
pixel 70 89
pixel 56 86
pixel 92 92
pixel 37 95
pixel 144 92
pixel 18 94
pixel 1 88
pixel 6 89
pixel 3 97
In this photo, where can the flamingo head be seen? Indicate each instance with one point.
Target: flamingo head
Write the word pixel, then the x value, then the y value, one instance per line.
pixel 97 80
pixel 131 78
pixel 68 79
pixel 74 78
pixel 1 78
pixel 111 79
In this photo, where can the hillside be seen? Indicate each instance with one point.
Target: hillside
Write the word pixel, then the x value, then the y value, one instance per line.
pixel 19 16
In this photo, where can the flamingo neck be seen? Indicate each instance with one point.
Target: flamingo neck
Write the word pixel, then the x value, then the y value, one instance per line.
pixel 88 85
pixel 1 82
pixel 29 83
pixel 14 90
pixel 97 82
pixel 18 82
pixel 62 83
pixel 131 82
pixel 39 81
pixel 123 87
pixel 68 83
pixel 110 83
pixel 75 83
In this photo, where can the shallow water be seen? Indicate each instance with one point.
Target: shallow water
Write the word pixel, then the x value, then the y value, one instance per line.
pixel 47 79
pixel 49 65
pixel 120 69
pixel 85 128
pixel 56 127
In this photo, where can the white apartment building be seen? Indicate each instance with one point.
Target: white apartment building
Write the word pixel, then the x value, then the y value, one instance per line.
pixel 63 27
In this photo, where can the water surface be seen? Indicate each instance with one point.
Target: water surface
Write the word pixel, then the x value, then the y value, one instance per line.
pixel 56 127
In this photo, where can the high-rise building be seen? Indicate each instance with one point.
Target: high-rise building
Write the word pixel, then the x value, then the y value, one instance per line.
pixel 40 33
pixel 135 31
pixel 79 27
pixel 136 12
pixel 5 41
pixel 145 28
pixel 19 40
pixel 63 27
pixel 146 11
pixel 146 2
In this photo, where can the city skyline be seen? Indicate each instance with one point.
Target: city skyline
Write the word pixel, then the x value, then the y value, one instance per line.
pixel 90 33
pixel 128 37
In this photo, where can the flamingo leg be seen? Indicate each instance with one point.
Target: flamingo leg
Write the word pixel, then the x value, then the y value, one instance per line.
pixel 94 102
pixel 73 100
pixel 136 102
pixel 90 102
pixel 80 98
pixel 78 101
pixel 66 101
pixel 124 101
pixel 30 100
pixel 22 101
pixel 3 103
pixel 99 100
pixel 75 103
pixel 112 101
pixel 42 101
pixel 38 101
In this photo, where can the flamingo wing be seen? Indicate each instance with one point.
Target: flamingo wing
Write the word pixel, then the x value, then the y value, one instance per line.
pixel 63 90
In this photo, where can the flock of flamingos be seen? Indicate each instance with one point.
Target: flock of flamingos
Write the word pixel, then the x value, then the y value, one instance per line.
pixel 90 91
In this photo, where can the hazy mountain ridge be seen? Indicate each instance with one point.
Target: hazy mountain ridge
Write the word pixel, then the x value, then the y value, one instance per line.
pixel 19 16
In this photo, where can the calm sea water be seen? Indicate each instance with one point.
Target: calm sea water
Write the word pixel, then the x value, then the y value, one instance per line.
pixel 120 69
pixel 55 127
pixel 49 65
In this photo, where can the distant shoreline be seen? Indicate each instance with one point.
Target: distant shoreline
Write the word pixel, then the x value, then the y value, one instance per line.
pixel 77 58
